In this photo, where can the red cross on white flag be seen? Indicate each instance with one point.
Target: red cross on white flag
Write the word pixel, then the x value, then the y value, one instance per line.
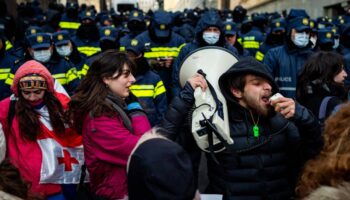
pixel 67 160
pixel 62 155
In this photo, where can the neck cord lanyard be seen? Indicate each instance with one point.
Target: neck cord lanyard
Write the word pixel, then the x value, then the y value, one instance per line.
pixel 255 127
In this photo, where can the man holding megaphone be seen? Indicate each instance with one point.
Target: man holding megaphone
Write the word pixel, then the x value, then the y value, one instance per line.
pixel 209 33
pixel 272 136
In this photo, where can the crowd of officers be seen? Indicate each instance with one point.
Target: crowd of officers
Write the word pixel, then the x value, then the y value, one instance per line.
pixel 66 39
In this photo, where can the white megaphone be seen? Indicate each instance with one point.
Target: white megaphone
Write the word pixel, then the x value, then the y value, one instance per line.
pixel 210 124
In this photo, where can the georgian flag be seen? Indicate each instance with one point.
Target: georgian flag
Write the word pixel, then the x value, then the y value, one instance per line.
pixel 62 156
pixel 60 89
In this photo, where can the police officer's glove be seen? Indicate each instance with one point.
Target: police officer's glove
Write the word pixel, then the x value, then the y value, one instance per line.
pixel 134 107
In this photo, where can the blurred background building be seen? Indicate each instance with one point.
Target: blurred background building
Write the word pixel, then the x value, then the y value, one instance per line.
pixel 314 7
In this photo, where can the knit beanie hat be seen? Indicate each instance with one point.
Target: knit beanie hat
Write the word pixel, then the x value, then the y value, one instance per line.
pixel 160 169
pixel 32 75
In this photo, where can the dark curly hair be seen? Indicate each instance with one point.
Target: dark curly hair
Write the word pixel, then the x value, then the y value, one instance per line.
pixel 320 69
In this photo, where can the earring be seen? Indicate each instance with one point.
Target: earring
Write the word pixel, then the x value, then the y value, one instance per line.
pixel 107 86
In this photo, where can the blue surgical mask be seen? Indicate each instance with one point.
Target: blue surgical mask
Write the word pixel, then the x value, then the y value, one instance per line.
pixel 301 39
pixel 211 37
pixel 64 50
pixel 336 43
pixel 42 56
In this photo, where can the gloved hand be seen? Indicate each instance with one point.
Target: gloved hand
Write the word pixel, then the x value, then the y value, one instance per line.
pixel 133 105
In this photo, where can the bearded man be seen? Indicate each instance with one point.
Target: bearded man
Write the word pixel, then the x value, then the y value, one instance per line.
pixel 272 138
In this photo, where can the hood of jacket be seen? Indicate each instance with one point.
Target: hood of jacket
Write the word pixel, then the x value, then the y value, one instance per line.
pixel 209 18
pixel 247 65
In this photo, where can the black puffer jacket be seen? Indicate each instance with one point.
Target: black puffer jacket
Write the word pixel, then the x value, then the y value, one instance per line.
pixel 261 168
pixel 311 94
pixel 264 167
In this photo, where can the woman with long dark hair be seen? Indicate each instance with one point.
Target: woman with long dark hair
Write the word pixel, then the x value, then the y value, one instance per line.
pixel 323 75
pixel 39 140
pixel 110 120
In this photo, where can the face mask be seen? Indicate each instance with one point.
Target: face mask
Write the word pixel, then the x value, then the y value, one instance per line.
pixel 313 41
pixel 301 39
pixel 42 55
pixel 277 38
pixel 336 43
pixel 211 37
pixel 326 47
pixel 88 31
pixel 135 26
pixel 64 50
pixel 36 103
pixel 107 44
pixel 142 66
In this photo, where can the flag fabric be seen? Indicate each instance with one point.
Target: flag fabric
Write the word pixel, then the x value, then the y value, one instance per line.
pixel 62 155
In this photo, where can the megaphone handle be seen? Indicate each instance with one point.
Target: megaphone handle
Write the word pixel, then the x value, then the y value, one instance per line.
pixel 211 89
pixel 218 134
pixel 201 73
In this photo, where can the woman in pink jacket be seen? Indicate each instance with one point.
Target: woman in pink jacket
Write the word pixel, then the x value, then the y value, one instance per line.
pixel 110 121
pixel 37 136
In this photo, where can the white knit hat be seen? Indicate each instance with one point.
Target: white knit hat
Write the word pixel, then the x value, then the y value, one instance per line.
pixel 2 144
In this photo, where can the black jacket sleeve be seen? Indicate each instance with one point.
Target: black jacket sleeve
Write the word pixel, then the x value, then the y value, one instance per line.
pixel 177 112
pixel 309 129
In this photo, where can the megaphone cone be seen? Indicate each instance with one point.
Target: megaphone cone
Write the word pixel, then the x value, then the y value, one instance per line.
pixel 212 60
pixel 210 125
